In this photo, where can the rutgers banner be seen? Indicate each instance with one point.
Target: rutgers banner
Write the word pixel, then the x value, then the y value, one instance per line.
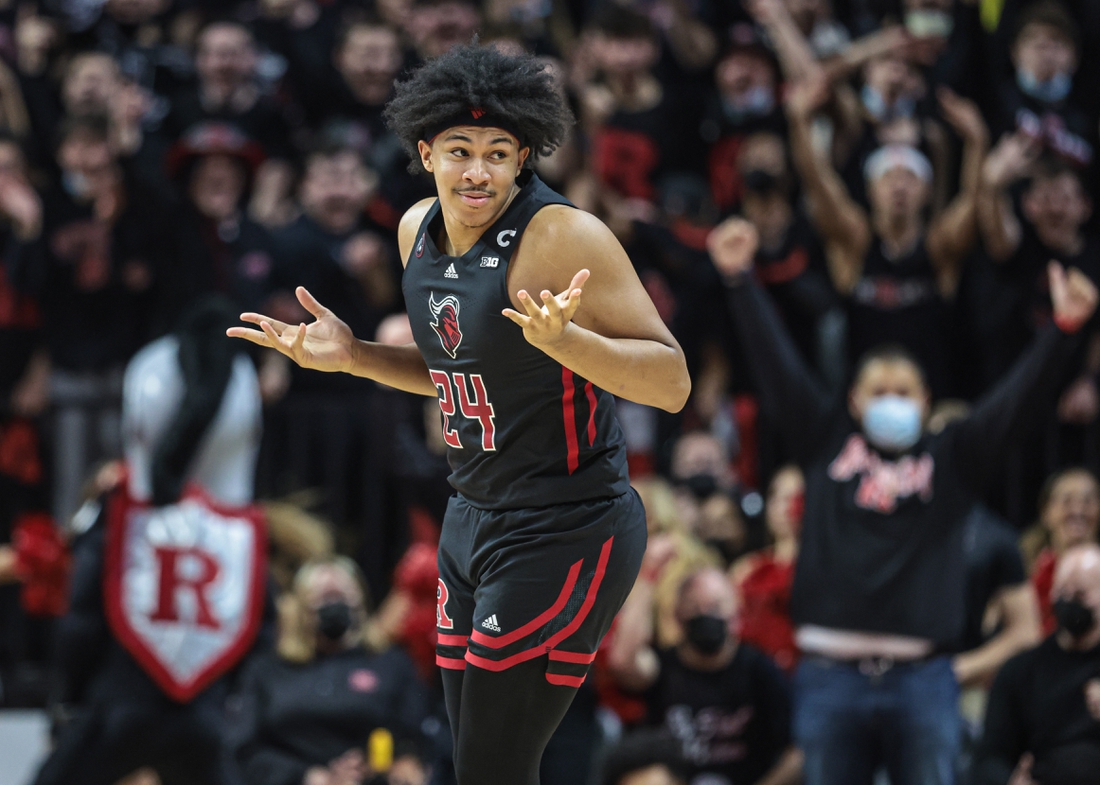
pixel 184 586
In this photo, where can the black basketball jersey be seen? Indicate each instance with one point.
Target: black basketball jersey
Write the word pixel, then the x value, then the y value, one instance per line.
pixel 521 429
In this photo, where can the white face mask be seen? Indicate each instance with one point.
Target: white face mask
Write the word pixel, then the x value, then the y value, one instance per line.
pixel 892 422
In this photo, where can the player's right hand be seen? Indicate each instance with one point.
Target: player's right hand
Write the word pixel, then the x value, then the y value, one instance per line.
pixel 732 246
pixel 326 344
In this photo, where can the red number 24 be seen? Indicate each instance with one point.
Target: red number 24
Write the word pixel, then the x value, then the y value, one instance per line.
pixel 473 407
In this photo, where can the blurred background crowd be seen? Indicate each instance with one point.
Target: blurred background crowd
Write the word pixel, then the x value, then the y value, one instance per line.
pixel 910 167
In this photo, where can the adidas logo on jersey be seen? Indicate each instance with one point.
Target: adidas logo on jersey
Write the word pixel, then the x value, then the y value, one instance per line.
pixel 490 261
pixel 450 272
pixel 491 623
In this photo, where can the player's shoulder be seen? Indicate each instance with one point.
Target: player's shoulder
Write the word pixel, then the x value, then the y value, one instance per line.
pixel 563 227
pixel 410 223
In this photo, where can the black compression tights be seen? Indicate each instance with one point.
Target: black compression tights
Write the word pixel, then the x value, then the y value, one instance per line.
pixel 502 721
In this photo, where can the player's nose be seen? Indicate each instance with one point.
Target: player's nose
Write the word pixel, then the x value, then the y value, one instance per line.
pixel 477 171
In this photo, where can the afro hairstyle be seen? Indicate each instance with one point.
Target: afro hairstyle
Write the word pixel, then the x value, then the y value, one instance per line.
pixel 516 88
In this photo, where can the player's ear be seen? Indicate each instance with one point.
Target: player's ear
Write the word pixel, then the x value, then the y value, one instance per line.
pixel 523 153
pixel 425 151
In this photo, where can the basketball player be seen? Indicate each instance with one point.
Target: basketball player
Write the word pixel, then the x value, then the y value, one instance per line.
pixel 544 539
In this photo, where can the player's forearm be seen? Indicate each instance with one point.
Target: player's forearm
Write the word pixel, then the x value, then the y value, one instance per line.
pixel 643 371
pixel 401 367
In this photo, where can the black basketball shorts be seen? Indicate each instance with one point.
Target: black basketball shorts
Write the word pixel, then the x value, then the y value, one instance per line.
pixel 547 581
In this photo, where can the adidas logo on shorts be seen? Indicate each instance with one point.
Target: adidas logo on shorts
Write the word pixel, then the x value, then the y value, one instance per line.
pixel 450 272
pixel 491 623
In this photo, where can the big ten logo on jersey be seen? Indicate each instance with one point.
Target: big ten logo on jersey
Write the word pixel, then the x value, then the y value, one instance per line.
pixel 474 406
pixel 490 261
pixel 442 620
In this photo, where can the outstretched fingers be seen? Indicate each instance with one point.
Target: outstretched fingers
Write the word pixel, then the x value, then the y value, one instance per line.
pixel 288 347
pixel 257 318
pixel 517 317
pixel 254 336
pixel 309 302
pixel 534 310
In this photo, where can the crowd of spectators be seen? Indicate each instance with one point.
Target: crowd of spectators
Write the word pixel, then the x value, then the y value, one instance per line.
pixel 901 173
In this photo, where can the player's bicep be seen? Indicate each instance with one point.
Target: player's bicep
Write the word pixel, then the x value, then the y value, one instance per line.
pixel 614 303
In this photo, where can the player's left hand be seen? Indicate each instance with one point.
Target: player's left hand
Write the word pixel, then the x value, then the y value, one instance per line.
pixel 544 325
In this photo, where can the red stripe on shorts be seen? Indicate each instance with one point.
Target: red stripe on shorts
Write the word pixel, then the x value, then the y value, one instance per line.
pixel 569 656
pixel 543 618
pixel 450 663
pixel 564 681
pixel 554 640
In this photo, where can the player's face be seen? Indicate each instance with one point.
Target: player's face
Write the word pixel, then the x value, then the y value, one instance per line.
pixel 475 170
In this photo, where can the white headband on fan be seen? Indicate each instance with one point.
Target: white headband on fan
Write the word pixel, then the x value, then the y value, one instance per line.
pixel 894 156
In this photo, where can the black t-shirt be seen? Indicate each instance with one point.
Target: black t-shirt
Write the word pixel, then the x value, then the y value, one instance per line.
pixel 1037 705
pixel 631 151
pixel 1026 272
pixel 993 563
pixel 290 717
pixel 723 136
pixel 236 258
pixel 19 325
pixel 1064 129
pixel 734 723
pixel 105 290
pixel 882 535
pixel 796 277
pixel 263 122
pixel 308 255
pixel 898 301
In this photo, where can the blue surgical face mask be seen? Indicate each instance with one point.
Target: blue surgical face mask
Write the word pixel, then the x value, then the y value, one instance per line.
pixel 876 105
pixel 75 184
pixel 892 422
pixel 756 102
pixel 1049 91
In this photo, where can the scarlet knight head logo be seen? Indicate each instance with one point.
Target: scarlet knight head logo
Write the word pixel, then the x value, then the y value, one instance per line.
pixel 446 322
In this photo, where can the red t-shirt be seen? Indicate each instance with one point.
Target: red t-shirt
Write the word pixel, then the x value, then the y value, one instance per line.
pixel 765 610
pixel 1042 578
